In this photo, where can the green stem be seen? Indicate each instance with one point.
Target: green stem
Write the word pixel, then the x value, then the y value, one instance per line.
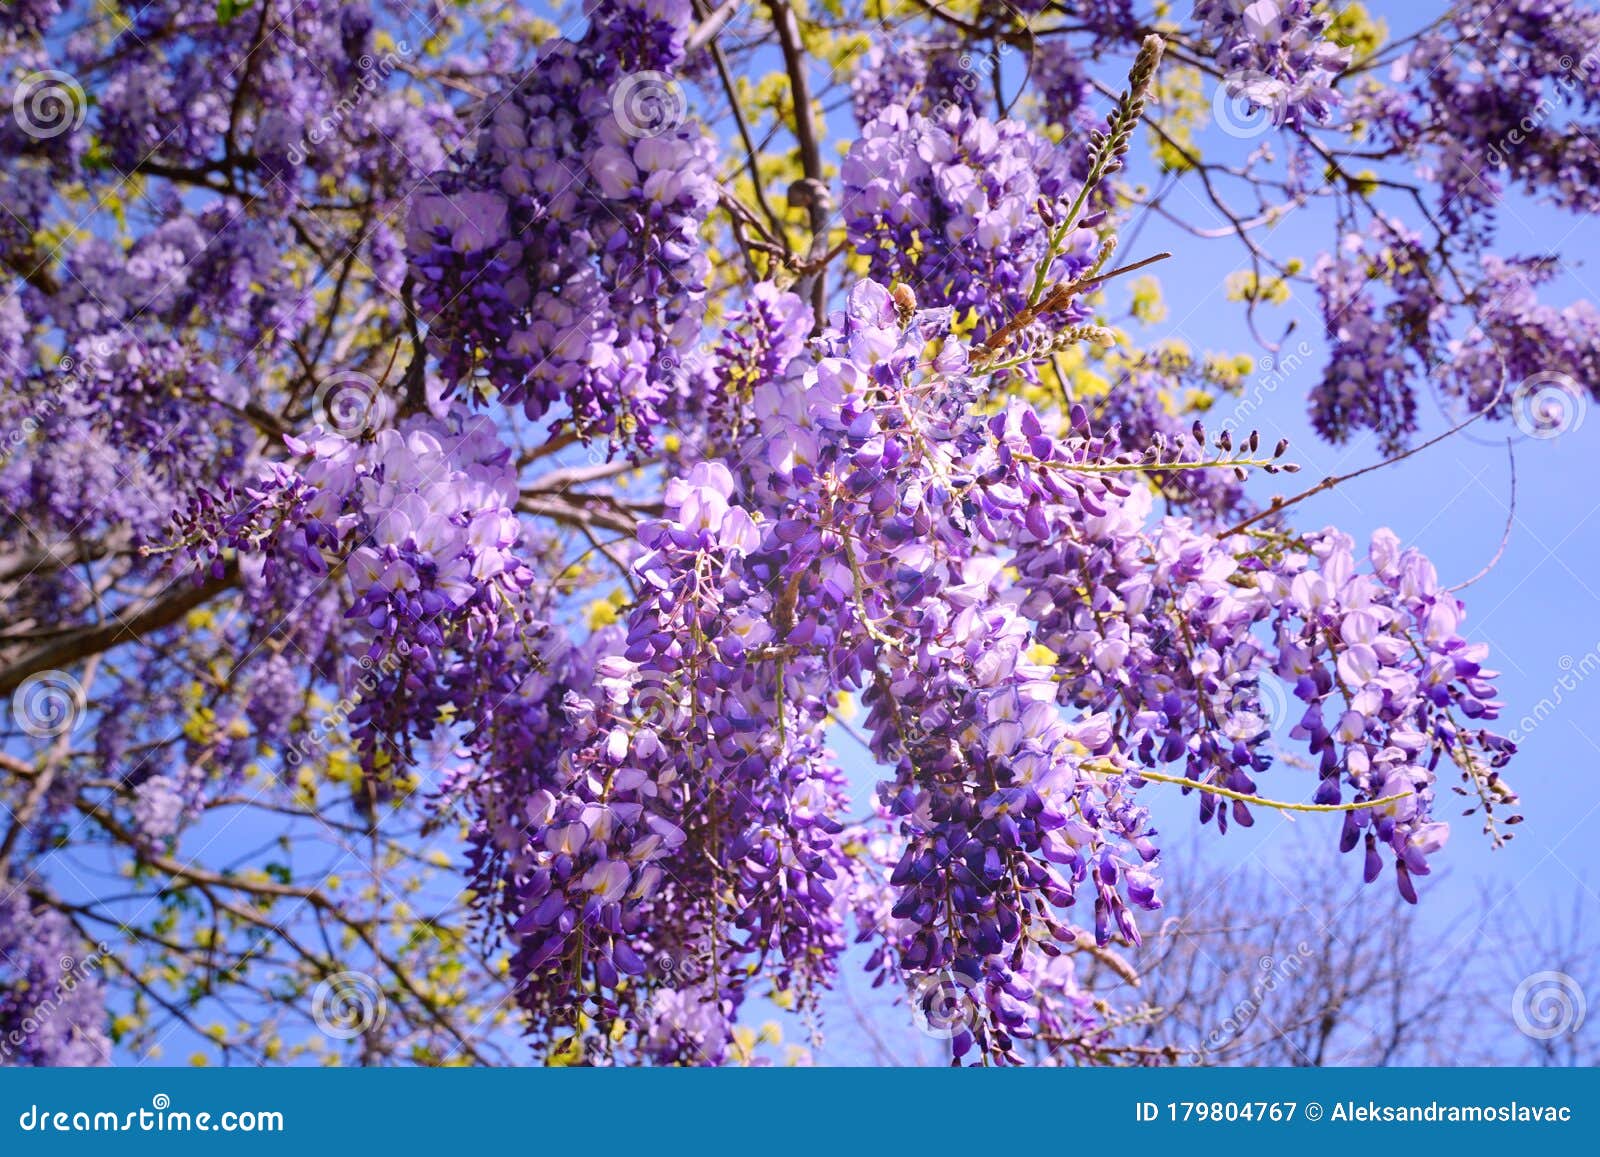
pixel 1262 801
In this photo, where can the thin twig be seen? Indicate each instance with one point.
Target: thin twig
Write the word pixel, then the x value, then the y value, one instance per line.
pixel 1505 535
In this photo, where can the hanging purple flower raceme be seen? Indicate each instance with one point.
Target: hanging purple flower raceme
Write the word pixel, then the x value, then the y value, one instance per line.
pixel 1497 94
pixel 950 204
pixel 52 1002
pixel 1383 646
pixel 689 817
pixel 559 263
pixel 1275 54
pixel 1382 650
pixel 1378 338
pixel 419 522
pixel 1519 339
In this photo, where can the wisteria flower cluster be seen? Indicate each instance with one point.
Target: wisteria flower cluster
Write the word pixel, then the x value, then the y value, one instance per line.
pixel 419 524
pixel 949 205
pixel 1383 320
pixel 50 999
pixel 1276 54
pixel 861 549
pixel 561 263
